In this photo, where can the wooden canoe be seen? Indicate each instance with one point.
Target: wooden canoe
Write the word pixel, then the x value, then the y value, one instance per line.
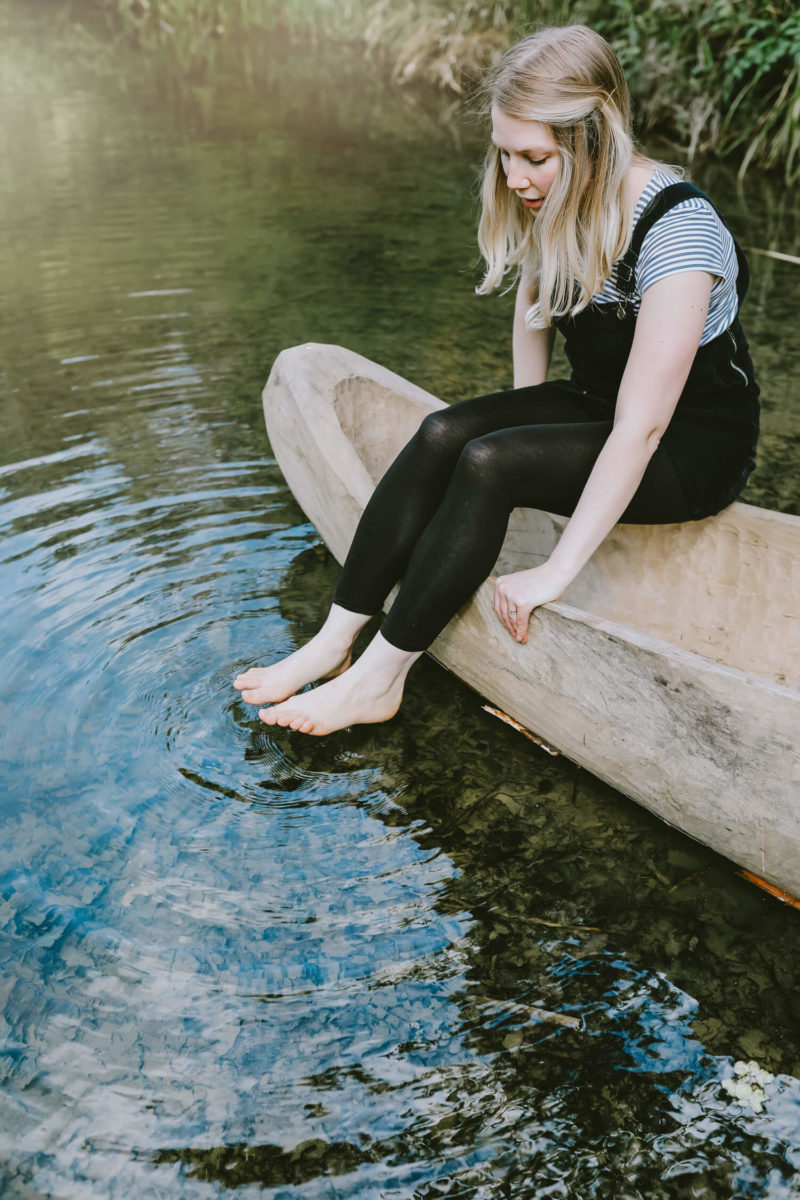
pixel 672 667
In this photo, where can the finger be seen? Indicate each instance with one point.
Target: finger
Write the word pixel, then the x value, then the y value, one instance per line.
pixel 511 617
pixel 523 617
pixel 502 607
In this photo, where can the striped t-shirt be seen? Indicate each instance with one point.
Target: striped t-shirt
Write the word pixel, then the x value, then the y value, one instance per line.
pixel 690 237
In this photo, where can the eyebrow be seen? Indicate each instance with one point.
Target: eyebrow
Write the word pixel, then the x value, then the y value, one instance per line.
pixel 538 151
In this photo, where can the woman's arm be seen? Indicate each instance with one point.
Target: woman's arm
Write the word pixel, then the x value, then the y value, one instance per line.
pixel 668 330
pixel 532 347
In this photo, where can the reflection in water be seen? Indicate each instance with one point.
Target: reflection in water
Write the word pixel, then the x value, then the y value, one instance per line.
pixel 418 960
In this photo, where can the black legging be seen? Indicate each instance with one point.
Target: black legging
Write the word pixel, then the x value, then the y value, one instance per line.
pixel 438 517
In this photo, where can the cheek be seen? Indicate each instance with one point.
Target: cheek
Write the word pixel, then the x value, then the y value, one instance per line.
pixel 552 175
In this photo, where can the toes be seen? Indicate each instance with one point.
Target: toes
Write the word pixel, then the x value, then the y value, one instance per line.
pixel 263 695
pixel 275 715
pixel 251 678
pixel 287 719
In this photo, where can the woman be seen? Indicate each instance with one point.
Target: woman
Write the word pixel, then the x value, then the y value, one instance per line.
pixel 658 422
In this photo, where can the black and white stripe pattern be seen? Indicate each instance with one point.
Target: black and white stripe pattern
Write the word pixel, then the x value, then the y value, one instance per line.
pixel 690 237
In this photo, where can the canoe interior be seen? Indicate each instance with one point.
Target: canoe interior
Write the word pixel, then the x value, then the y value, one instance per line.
pixel 725 587
pixel 621 677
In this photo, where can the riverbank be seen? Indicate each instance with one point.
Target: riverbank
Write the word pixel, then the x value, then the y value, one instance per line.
pixel 726 82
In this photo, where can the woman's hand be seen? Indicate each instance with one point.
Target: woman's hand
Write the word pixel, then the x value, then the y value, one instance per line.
pixel 516 596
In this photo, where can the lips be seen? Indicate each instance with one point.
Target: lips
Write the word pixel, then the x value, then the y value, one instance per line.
pixel 532 203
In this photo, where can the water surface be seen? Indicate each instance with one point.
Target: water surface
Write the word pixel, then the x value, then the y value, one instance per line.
pixel 420 960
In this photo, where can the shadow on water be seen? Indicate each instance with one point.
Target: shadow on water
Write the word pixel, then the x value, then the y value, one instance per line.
pixel 599 992
pixel 423 959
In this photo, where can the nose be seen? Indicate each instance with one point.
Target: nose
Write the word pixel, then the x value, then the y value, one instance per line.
pixel 516 178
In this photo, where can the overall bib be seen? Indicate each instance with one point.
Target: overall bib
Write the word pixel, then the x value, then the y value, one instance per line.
pixel 711 438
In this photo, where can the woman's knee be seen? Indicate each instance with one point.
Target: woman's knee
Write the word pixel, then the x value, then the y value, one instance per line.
pixel 438 435
pixel 480 464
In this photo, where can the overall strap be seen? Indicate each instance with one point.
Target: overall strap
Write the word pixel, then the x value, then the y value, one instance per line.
pixel 660 204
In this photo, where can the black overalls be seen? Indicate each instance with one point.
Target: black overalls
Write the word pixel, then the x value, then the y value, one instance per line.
pixel 711 439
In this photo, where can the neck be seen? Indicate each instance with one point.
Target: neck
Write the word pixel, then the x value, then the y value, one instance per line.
pixel 639 176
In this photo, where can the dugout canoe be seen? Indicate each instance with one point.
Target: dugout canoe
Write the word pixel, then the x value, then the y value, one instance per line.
pixel 670 669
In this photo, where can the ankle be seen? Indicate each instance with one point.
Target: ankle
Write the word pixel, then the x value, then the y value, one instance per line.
pixel 386 663
pixel 342 627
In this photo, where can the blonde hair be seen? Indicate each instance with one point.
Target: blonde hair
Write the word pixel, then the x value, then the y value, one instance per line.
pixel 570 80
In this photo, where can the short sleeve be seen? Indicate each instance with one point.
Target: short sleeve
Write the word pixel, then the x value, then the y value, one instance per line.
pixel 690 237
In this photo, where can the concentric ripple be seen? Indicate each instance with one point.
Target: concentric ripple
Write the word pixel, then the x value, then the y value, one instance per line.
pixel 193 906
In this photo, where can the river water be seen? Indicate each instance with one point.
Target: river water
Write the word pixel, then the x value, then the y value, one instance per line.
pixel 422 960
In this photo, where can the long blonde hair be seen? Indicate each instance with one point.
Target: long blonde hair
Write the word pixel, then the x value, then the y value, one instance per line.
pixel 569 79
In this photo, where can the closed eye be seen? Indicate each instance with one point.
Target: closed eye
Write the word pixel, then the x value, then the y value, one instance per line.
pixel 534 162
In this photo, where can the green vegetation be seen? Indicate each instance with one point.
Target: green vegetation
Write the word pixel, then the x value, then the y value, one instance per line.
pixel 720 77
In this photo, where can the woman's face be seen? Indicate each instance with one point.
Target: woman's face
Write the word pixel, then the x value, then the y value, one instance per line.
pixel 530 157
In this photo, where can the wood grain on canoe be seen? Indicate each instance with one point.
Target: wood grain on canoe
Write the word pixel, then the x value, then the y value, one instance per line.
pixel 671 668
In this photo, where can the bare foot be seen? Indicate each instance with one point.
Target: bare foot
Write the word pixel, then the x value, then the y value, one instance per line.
pixel 370 691
pixel 266 685
pixel 326 655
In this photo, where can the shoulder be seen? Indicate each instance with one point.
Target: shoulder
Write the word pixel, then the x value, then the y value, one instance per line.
pixel 689 237
pixel 695 218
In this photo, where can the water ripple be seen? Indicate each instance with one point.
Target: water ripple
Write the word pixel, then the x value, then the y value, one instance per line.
pixel 414 961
